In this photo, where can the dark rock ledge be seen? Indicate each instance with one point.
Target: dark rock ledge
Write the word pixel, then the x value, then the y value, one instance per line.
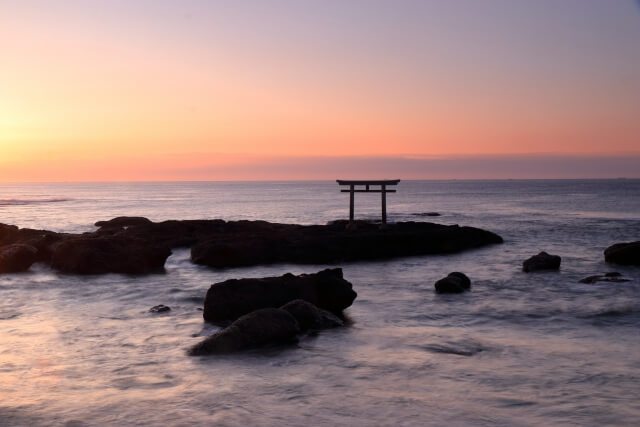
pixel 136 245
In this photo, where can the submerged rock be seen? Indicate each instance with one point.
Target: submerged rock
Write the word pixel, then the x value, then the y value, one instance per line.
pixel 542 261
pixel 613 277
pixel 311 317
pixel 258 328
pixel 454 283
pixel 232 298
pixel 623 253
pixel 17 257
pixel 161 308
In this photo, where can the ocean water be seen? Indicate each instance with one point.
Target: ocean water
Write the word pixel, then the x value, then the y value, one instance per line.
pixel 519 349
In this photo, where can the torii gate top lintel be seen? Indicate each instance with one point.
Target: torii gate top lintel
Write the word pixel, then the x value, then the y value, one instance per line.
pixel 367 183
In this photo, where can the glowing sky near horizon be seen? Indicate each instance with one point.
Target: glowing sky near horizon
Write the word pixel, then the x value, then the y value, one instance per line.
pixel 112 90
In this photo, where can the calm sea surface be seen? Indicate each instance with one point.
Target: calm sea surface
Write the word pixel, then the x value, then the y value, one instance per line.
pixel 519 349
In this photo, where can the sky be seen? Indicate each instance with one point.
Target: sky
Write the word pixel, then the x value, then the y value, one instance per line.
pixel 119 90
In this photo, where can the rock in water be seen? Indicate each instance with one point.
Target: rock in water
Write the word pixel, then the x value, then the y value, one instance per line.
pixel 233 298
pixel 159 309
pixel 260 327
pixel 311 317
pixel 542 261
pixel 454 283
pixel 105 254
pixel 17 257
pixel 613 277
pixel 623 253
pixel 124 221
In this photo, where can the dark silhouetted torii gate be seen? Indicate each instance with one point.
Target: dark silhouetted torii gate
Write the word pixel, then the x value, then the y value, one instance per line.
pixel 353 184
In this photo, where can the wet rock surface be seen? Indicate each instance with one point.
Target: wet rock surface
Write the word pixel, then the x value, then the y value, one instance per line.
pixel 258 328
pixel 454 283
pixel 136 245
pixel 233 298
pixel 17 257
pixel 311 317
pixel 542 261
pixel 623 253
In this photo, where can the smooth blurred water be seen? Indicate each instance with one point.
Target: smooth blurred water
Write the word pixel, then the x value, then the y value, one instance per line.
pixel 519 349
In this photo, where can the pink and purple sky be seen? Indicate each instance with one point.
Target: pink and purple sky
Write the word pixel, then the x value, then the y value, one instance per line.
pixel 229 90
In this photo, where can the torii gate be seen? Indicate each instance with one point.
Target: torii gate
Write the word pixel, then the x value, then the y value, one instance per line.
pixel 367 183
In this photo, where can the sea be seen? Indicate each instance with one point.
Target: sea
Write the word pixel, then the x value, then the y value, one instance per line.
pixel 519 349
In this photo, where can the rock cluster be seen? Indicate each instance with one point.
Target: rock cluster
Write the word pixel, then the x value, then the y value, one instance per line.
pixel 273 309
pixel 136 245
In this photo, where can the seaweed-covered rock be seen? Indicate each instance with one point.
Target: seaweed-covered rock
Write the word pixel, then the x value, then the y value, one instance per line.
pixel 258 328
pixel 454 283
pixel 17 257
pixel 542 261
pixel 311 317
pixel 623 253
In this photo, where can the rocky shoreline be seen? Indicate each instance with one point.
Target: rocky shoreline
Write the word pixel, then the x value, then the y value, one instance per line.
pixel 136 245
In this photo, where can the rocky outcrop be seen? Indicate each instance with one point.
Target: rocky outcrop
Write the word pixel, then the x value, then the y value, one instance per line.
pixel 161 308
pixel 311 317
pixel 454 283
pixel 223 244
pixel 17 257
pixel 101 255
pixel 233 298
pixel 623 253
pixel 258 242
pixel 260 327
pixel 542 261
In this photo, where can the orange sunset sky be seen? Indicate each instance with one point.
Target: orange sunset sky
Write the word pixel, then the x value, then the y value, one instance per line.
pixel 225 90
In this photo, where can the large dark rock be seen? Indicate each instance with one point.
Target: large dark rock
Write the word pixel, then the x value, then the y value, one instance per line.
pixel 17 257
pixel 232 298
pixel 454 283
pixel 100 255
pixel 260 327
pixel 222 244
pixel 542 261
pixel 8 234
pixel 311 317
pixel 623 253
pixel 256 242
